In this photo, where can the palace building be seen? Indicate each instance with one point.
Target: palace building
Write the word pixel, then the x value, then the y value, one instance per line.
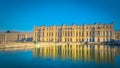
pixel 74 33
pixel 117 35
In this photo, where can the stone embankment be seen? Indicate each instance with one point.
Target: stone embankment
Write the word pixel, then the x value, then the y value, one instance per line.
pixel 31 44
pixel 16 45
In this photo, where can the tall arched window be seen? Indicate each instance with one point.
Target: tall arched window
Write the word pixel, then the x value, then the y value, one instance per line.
pixel 98 39
pixel 106 33
pixel 110 33
pixel 82 33
pixel 82 39
pixel 65 39
pixel 106 39
pixel 71 33
pixel 79 33
pixel 91 39
pixel 90 33
pixel 87 33
pixel 76 33
pixel 98 33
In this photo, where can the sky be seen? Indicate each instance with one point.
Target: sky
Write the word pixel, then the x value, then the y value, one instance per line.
pixel 23 15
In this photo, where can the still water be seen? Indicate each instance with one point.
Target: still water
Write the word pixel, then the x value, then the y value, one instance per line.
pixel 63 56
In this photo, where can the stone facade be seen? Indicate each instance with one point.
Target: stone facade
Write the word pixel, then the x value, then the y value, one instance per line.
pixel 117 35
pixel 2 37
pixel 25 36
pixel 91 33
pixel 16 37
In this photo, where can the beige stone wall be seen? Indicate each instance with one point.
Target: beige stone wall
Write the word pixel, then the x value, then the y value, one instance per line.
pixel 117 35
pixel 11 37
pixel 99 33
pixel 16 37
pixel 2 37
pixel 25 36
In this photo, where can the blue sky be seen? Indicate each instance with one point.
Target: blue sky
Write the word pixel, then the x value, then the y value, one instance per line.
pixel 22 15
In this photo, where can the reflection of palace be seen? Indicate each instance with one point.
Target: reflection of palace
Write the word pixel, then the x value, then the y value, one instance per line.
pixel 91 33
pixel 98 53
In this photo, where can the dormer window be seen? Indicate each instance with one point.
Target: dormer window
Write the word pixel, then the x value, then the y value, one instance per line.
pixel 98 27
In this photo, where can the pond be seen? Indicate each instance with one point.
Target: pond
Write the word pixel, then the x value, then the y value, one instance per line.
pixel 63 56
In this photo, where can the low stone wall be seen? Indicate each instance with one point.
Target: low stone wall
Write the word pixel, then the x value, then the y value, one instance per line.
pixel 17 45
pixel 40 44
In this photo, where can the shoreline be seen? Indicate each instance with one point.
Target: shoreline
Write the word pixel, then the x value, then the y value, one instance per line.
pixel 42 44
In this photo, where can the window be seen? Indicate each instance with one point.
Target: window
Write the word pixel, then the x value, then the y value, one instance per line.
pixel 71 33
pixel 68 33
pixel 99 27
pixel 91 39
pixel 65 39
pixel 87 33
pixel 106 26
pixel 65 33
pixel 82 39
pixel 86 27
pixel 76 39
pixel 47 33
pixel 110 33
pixel 79 33
pixel 106 33
pixel 79 27
pixel 107 39
pixel 90 33
pixel 98 39
pixel 110 27
pixel 82 33
pixel 90 27
pixel 76 33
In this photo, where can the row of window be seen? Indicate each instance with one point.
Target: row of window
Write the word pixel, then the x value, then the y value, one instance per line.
pixel 77 39
pixel 72 33
pixel 49 39
pixel 20 37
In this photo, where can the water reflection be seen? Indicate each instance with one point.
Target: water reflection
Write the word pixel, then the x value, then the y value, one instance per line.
pixel 85 53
